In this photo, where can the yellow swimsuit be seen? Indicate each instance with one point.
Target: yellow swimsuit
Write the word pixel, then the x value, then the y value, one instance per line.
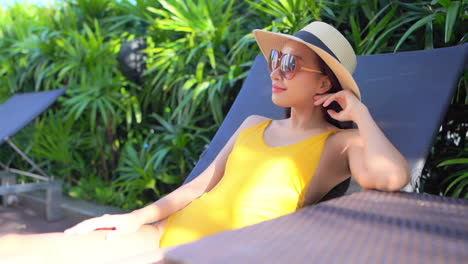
pixel 259 183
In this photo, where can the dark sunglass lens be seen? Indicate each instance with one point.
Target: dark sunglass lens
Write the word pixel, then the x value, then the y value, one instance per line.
pixel 273 60
pixel 288 65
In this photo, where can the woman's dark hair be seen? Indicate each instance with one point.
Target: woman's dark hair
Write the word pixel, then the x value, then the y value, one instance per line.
pixel 336 87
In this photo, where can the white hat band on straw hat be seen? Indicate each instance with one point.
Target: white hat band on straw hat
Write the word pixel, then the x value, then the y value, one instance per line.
pixel 326 41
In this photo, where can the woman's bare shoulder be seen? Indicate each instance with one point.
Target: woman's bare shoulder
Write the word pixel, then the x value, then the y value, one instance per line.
pixel 346 138
pixel 253 120
pixel 249 121
pixel 348 134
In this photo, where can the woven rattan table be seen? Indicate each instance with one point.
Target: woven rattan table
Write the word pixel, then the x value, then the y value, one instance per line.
pixel 365 227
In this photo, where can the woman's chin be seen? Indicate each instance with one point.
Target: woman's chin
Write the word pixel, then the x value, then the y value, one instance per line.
pixel 278 102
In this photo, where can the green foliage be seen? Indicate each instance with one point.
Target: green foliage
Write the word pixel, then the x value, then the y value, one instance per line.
pixel 137 175
pixel 94 188
pixel 56 141
pixel 457 183
pixel 180 140
pixel 435 17
pixel 290 15
pixel 128 144
pixel 193 57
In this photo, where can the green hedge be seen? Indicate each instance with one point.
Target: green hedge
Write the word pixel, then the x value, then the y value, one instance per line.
pixel 128 139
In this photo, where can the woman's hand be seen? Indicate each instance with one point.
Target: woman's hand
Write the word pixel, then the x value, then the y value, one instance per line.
pixel 350 104
pixel 122 224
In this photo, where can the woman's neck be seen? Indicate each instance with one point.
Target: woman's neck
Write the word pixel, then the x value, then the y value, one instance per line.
pixel 306 119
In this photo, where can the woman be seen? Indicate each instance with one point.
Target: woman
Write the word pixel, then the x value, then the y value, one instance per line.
pixel 268 168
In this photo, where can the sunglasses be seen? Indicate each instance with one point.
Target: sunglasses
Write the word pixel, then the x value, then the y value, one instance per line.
pixel 287 63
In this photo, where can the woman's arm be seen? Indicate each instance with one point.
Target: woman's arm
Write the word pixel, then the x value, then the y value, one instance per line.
pixel 186 193
pixel 373 160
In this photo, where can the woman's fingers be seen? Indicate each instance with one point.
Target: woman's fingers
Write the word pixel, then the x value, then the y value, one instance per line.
pixel 335 115
pixel 330 99
pixel 347 101
pixel 321 98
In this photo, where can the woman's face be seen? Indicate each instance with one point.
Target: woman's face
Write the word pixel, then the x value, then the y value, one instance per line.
pixel 300 90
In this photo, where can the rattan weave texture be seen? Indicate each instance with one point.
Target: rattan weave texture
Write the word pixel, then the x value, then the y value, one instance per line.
pixel 365 227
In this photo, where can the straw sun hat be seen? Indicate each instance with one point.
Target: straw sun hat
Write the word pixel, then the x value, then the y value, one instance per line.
pixel 326 41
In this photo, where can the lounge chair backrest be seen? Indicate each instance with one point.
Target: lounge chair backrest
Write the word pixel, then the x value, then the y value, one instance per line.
pixel 20 109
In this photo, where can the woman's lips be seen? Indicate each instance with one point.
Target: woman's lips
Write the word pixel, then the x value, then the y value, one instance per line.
pixel 277 89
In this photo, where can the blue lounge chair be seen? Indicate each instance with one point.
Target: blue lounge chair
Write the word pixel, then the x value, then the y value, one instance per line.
pixel 407 93
pixel 16 113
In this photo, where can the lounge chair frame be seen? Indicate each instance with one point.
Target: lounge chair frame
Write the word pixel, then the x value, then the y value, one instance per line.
pixel 9 185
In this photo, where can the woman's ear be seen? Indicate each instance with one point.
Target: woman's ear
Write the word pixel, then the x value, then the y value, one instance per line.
pixel 325 84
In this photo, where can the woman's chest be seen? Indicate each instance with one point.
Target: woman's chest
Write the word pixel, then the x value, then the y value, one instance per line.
pixel 254 168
